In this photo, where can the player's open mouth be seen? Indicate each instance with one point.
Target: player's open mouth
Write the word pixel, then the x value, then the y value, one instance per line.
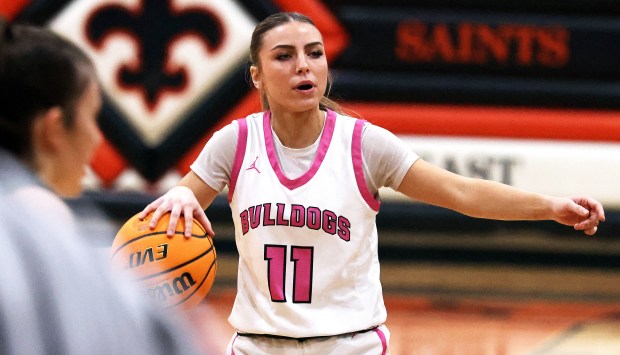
pixel 305 86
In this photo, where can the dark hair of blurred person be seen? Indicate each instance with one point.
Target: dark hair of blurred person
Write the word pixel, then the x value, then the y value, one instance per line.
pixel 49 103
pixel 56 296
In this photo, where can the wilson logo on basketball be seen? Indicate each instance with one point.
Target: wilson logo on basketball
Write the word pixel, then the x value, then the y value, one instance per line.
pixel 149 255
pixel 176 286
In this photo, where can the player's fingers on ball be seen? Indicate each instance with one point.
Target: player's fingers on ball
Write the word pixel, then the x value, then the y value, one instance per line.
pixel 143 213
pixel 148 209
pixel 156 216
pixel 189 220
pixel 174 220
pixel 210 229
pixel 202 218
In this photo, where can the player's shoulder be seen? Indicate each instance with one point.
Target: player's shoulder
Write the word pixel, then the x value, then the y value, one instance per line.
pixel 344 119
pixel 350 118
pixel 255 117
pixel 231 130
pixel 370 132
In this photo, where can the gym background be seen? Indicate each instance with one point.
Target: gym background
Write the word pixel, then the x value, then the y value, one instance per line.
pixel 519 91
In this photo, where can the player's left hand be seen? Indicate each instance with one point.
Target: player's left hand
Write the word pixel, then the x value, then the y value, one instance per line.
pixel 583 213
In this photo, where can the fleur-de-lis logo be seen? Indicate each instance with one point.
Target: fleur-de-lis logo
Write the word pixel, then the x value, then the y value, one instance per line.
pixel 155 26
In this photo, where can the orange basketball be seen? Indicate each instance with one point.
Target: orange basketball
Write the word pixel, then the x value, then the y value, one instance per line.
pixel 176 271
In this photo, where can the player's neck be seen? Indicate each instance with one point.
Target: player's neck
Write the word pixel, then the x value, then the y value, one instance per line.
pixel 298 130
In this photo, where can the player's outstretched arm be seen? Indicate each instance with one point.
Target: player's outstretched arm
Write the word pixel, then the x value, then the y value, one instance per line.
pixel 492 200
pixel 190 198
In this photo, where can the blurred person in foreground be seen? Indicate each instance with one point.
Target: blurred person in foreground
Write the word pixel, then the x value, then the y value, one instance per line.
pixel 56 297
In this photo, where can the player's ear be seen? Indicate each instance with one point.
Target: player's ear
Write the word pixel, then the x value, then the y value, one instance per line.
pixel 48 129
pixel 254 73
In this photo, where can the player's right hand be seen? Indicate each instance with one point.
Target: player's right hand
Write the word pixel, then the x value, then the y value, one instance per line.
pixel 179 201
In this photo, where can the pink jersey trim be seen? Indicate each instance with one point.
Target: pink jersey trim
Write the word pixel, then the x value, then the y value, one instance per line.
pixel 242 141
pixel 326 138
pixel 358 166
pixel 232 344
pixel 381 336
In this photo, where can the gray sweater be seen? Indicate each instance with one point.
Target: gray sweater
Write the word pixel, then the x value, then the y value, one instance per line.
pixel 56 297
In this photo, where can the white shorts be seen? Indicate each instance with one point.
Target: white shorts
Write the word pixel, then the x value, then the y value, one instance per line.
pixel 372 342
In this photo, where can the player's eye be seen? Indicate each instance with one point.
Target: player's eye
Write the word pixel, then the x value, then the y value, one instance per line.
pixel 283 56
pixel 316 53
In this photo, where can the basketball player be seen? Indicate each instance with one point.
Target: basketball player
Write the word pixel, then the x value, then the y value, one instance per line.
pixel 303 188
pixel 55 295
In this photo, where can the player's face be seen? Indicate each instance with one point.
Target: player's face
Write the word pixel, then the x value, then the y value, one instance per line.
pixel 293 69
pixel 79 143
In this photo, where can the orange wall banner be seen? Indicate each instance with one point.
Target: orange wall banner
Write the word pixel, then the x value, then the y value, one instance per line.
pixel 492 121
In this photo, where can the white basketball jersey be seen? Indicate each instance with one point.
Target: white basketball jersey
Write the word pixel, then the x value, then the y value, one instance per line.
pixel 308 262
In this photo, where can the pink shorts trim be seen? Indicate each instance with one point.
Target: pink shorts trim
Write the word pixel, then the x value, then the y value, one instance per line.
pixel 381 336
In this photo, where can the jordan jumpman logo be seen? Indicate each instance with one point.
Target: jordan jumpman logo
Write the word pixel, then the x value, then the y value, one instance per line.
pixel 253 166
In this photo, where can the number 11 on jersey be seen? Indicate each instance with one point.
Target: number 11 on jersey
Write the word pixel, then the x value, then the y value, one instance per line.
pixel 302 258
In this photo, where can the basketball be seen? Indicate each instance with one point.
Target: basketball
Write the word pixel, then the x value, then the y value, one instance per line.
pixel 176 271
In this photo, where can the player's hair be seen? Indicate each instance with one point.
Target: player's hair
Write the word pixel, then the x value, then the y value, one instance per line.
pixel 256 43
pixel 39 70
